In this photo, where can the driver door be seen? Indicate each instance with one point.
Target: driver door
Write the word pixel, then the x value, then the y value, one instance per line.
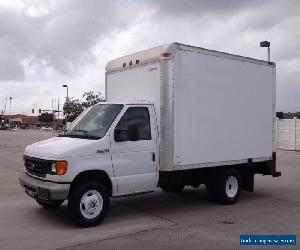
pixel 133 148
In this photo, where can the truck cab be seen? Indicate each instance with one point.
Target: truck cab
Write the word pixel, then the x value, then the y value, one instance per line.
pixel 116 143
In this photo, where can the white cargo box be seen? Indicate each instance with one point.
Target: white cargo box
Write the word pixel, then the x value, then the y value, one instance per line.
pixel 213 108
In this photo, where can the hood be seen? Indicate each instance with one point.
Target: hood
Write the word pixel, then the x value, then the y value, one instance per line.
pixel 60 148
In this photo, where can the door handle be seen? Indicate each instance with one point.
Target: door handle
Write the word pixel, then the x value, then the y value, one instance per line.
pixel 153 156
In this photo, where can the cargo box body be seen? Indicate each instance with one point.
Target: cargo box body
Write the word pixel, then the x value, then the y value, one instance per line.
pixel 212 108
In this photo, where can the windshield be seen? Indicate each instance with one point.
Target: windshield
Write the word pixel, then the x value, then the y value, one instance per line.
pixel 94 122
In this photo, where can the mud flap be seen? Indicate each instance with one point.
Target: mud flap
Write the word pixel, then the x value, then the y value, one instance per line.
pixel 272 166
pixel 248 179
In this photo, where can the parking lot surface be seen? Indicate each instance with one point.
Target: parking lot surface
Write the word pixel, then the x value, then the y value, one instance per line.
pixel 158 220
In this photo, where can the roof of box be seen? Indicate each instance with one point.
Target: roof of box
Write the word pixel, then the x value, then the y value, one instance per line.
pixel 156 53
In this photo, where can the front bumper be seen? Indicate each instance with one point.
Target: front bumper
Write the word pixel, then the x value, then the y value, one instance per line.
pixel 44 190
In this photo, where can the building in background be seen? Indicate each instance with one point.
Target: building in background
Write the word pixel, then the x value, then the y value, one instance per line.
pixel 29 122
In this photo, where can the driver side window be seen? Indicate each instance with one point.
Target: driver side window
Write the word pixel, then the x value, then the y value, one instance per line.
pixel 134 125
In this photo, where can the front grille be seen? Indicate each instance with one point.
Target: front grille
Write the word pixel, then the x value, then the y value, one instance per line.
pixel 38 167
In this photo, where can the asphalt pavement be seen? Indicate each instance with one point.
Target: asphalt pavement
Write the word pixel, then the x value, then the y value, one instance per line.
pixel 158 220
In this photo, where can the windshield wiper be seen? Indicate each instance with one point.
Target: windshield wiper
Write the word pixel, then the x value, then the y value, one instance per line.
pixel 85 134
pixel 82 131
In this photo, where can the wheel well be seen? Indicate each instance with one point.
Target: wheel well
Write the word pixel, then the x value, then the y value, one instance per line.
pixel 247 175
pixel 97 175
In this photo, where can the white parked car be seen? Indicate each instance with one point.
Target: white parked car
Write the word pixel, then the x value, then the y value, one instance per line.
pixel 46 128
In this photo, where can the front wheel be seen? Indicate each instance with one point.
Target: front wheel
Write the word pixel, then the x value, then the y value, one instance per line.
pixel 89 203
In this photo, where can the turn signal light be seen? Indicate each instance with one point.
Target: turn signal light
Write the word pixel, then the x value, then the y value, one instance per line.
pixel 60 167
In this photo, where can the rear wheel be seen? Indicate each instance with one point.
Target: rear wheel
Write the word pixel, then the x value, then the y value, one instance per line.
pixel 228 187
pixel 89 203
pixel 50 204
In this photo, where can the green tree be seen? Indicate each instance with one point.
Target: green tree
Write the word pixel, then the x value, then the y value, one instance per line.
pixel 74 107
pixel 92 98
pixel 46 117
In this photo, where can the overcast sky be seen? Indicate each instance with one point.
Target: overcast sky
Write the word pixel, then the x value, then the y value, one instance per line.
pixel 44 44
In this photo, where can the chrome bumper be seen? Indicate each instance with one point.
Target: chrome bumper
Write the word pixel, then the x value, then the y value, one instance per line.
pixel 44 190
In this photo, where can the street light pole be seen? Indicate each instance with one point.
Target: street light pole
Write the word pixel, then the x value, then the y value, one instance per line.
pixel 66 86
pixel 10 98
pixel 67 100
pixel 266 44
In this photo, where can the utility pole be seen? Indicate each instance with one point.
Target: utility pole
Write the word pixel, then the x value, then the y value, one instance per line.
pixel 52 104
pixel 58 109
pixel 5 105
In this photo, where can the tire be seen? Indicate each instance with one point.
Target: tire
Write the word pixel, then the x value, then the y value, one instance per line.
pixel 173 189
pixel 228 187
pixel 50 204
pixel 89 203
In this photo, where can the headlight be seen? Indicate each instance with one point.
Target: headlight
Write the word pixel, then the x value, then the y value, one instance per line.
pixel 59 167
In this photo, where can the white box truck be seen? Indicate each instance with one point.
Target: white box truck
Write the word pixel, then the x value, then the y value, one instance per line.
pixel 175 116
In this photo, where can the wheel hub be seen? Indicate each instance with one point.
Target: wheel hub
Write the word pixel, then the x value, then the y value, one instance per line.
pixel 91 204
pixel 231 186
